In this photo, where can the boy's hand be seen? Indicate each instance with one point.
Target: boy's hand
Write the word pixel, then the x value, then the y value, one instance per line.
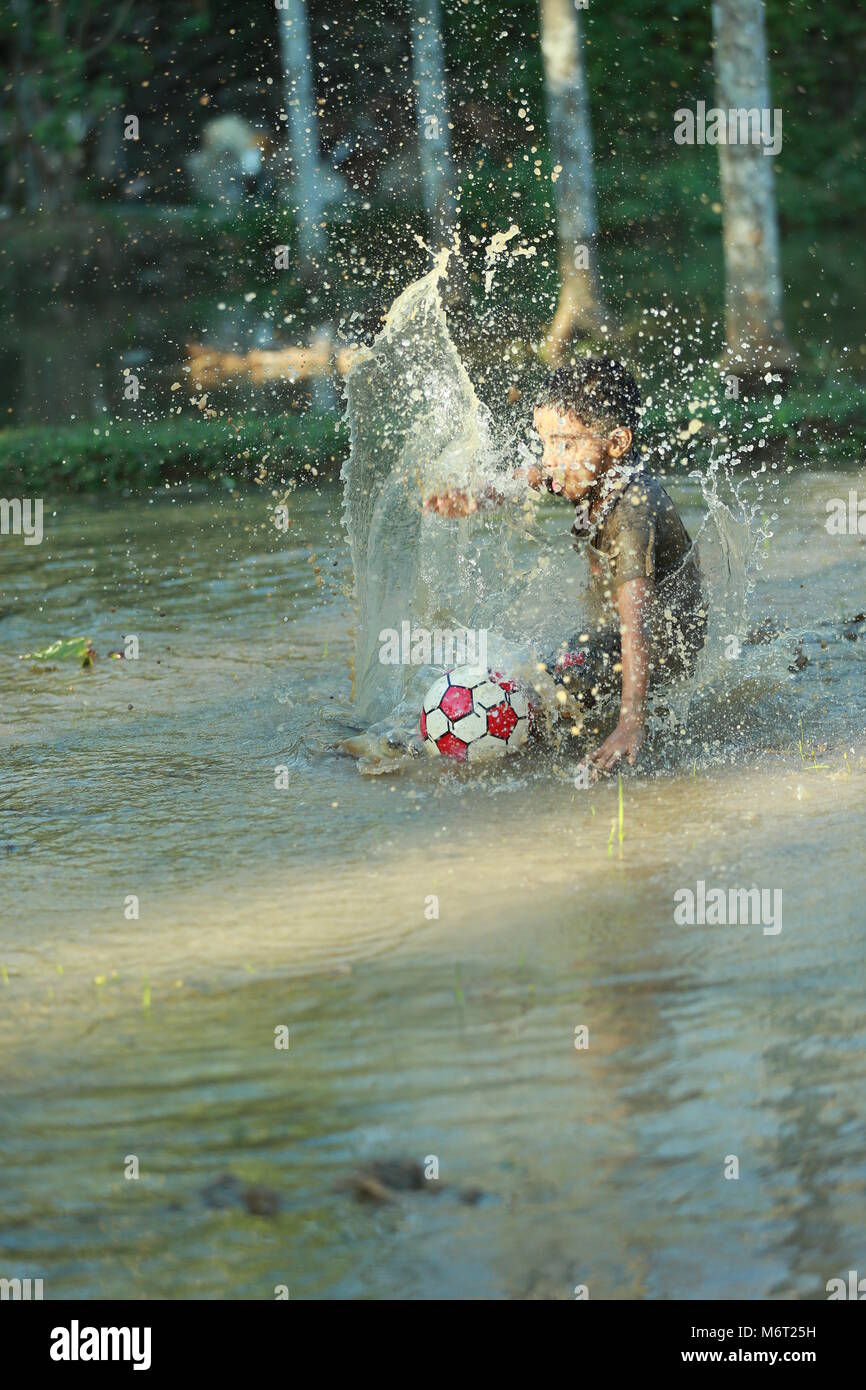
pixel 454 502
pixel 457 502
pixel 632 598
pixel 624 742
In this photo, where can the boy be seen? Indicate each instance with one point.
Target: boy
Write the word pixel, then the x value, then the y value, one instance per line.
pixel 647 610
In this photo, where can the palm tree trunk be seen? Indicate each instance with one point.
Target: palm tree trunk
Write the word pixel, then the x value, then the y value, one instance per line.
pixel 431 104
pixel 580 308
pixel 300 101
pixel 25 107
pixel 753 281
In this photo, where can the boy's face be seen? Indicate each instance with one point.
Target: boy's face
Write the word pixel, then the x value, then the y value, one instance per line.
pixel 576 455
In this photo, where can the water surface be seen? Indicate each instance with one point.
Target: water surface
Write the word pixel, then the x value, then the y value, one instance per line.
pixel 412 1035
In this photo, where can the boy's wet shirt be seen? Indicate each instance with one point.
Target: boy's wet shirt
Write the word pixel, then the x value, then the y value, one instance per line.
pixel 640 535
pixel 636 544
pixel 630 529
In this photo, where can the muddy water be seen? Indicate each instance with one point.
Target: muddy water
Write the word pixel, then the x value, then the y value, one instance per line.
pixel 412 1035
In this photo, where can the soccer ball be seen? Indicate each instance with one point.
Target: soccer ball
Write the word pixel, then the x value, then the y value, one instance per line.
pixel 472 713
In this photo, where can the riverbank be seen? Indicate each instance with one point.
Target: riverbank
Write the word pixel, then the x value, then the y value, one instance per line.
pixel 126 456
pixel 247 447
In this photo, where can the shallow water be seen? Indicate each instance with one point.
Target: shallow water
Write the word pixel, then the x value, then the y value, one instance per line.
pixel 410 1035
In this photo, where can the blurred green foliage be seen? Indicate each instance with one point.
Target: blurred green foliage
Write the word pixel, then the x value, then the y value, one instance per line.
pixel 277 448
pixel 659 204
pixel 176 70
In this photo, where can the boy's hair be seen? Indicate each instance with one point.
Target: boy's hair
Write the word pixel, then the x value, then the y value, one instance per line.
pixel 598 390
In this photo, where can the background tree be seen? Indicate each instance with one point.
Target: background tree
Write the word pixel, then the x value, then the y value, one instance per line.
pixel 299 96
pixel 579 309
pixel 431 106
pixel 62 54
pixel 753 280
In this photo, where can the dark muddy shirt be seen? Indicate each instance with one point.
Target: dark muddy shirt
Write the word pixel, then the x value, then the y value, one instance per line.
pixel 642 536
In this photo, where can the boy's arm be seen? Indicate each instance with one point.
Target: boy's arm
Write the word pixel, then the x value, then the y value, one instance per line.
pixel 633 601
pixel 457 502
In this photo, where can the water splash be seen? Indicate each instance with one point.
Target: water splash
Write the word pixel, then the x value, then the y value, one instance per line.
pixel 418 427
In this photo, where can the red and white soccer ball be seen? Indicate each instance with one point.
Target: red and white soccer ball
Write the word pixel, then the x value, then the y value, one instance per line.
pixel 472 713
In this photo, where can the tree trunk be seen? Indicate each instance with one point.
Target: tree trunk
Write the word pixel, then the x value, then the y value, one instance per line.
pixel 299 96
pixel 431 105
pixel 753 282
pixel 580 308
pixel 25 115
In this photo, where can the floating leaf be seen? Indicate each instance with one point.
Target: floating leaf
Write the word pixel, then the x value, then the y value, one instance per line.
pixel 65 649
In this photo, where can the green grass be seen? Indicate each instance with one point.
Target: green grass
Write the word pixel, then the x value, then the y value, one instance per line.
pixel 821 415
pixel 814 765
pixel 133 456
